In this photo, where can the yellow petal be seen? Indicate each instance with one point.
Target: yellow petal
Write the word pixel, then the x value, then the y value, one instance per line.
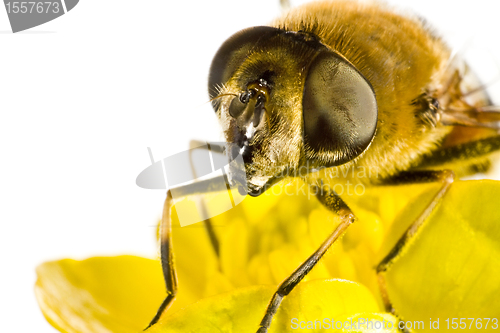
pixel 234 253
pixel 195 262
pixel 242 310
pixel 452 269
pixel 114 294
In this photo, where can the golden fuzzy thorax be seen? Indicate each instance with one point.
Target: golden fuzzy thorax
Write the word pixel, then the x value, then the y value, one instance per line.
pixel 400 57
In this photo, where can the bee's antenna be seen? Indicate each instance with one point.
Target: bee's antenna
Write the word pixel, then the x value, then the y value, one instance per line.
pixel 220 96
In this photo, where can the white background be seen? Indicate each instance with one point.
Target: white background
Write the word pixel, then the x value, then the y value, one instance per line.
pixel 82 97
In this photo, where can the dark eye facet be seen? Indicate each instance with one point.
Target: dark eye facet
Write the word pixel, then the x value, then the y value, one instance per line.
pixel 339 109
pixel 232 54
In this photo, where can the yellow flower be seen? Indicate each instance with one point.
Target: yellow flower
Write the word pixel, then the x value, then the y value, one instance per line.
pixel 450 270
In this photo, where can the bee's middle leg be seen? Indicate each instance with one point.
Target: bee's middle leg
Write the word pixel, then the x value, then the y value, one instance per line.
pixel 333 202
pixel 211 147
pixel 446 178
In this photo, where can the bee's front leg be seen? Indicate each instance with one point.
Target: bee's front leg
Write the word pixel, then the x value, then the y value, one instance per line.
pixel 166 259
pixel 205 186
pixel 333 202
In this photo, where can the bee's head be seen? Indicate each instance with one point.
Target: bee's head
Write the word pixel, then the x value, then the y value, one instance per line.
pixel 288 103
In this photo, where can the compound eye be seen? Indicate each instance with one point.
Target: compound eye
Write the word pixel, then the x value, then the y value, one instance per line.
pixel 339 110
pixel 232 54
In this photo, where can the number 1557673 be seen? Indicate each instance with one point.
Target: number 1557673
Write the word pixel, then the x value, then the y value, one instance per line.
pixel 32 7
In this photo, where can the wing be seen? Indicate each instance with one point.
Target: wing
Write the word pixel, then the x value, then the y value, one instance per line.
pixel 463 104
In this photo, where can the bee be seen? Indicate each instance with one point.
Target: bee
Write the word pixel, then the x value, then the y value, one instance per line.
pixel 336 86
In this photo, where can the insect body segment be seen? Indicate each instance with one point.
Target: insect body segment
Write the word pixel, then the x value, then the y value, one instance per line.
pixel 332 116
pixel 248 110
pixel 338 86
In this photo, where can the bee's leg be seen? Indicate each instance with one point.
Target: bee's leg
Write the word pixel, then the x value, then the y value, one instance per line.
pixel 446 178
pixel 167 263
pixel 216 148
pixel 333 202
pixel 193 144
